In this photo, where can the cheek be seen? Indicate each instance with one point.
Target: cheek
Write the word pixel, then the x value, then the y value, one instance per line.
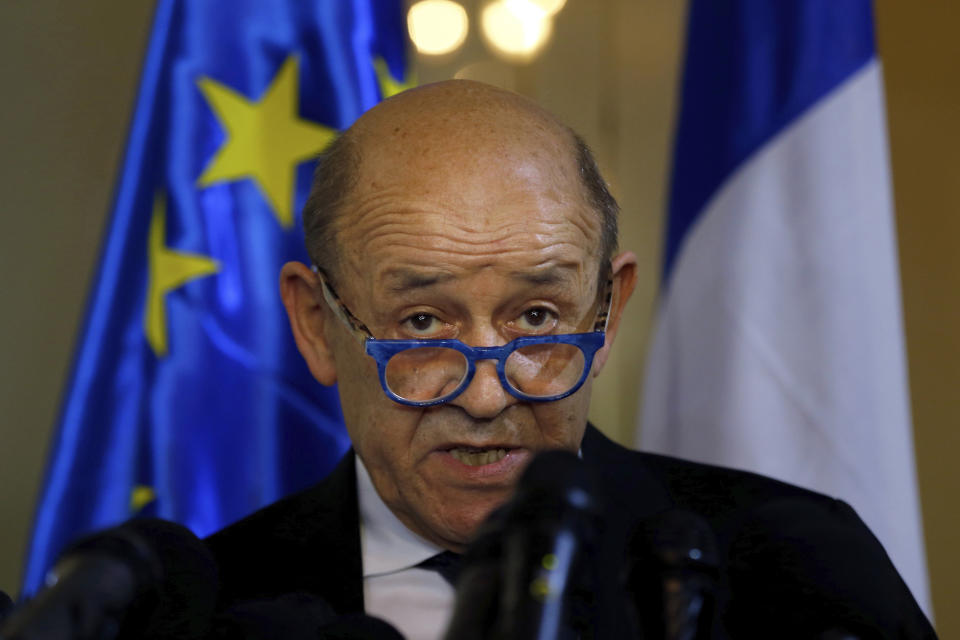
pixel 382 433
pixel 563 423
pixel 381 430
pixel 383 447
pixel 361 398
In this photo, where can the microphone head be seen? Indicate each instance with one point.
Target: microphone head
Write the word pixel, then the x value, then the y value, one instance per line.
pixel 142 579
pixel 189 581
pixel 556 479
pixel 556 482
pixel 554 468
pixel 175 574
pixel 526 561
pixel 550 531
pixel 6 604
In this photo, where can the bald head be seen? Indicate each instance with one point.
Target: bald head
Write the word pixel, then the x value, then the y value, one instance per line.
pixel 434 123
pixel 449 131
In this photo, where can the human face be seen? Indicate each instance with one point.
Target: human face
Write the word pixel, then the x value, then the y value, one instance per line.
pixel 481 239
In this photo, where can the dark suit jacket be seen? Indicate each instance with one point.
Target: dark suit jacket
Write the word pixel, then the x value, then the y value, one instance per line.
pixel 793 563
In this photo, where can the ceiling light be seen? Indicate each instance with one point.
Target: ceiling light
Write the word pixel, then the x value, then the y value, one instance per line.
pixel 516 28
pixel 437 26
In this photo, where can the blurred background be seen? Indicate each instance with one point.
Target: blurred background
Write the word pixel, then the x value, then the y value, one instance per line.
pixel 609 68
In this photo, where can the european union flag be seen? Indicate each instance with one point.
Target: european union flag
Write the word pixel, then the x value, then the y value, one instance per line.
pixel 188 399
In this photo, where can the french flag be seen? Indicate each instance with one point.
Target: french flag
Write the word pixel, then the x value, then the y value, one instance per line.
pixel 778 345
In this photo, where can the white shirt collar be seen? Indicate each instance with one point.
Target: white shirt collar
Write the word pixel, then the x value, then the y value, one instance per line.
pixel 386 544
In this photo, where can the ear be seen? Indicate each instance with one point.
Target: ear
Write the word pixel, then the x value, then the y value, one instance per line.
pixel 624 276
pixel 308 315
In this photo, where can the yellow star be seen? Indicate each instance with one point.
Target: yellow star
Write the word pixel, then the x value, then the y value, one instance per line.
pixel 266 139
pixel 388 86
pixel 141 496
pixel 168 270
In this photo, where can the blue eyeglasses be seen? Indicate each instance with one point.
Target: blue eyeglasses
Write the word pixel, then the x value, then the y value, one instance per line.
pixel 424 373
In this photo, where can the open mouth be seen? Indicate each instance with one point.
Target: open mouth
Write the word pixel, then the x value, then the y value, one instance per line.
pixel 478 457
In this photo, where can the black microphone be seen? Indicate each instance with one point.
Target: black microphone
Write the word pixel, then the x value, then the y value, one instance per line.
pixel 146 578
pixel 525 575
pixel 297 616
pixel 673 576
pixel 479 583
pixel 6 604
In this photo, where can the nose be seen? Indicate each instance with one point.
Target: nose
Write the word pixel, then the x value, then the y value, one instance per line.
pixel 484 397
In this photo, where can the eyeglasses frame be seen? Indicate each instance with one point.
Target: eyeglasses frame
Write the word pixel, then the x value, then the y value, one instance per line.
pixel 381 350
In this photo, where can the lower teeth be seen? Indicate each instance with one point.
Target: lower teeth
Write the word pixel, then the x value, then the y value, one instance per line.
pixel 478 458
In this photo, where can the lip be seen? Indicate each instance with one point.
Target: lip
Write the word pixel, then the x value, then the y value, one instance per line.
pixel 502 469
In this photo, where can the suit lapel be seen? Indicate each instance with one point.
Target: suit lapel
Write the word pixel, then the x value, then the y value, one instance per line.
pixel 334 546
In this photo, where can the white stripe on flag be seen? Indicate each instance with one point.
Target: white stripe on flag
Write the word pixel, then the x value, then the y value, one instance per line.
pixel 779 342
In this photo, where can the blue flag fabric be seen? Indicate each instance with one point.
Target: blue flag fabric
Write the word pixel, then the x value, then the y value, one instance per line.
pixel 188 399
pixel 752 68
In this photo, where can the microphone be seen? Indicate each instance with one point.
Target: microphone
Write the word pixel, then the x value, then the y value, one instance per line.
pixel 297 616
pixel 524 576
pixel 145 578
pixel 673 577
pixel 6 604
pixel 475 607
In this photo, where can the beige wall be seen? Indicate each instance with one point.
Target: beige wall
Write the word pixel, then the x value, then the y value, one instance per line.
pixel 920 49
pixel 69 72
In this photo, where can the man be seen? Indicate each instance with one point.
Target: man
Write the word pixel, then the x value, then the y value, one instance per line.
pixel 460 212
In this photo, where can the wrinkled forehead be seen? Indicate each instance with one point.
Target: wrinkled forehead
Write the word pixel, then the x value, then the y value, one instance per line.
pixel 466 151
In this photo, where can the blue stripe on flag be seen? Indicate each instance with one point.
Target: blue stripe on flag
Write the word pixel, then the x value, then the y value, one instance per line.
pixel 738 92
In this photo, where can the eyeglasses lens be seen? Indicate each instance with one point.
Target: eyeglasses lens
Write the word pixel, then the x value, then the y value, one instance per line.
pixel 544 370
pixel 426 373
pixel 423 374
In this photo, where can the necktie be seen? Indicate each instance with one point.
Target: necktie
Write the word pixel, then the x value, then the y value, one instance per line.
pixel 447 564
